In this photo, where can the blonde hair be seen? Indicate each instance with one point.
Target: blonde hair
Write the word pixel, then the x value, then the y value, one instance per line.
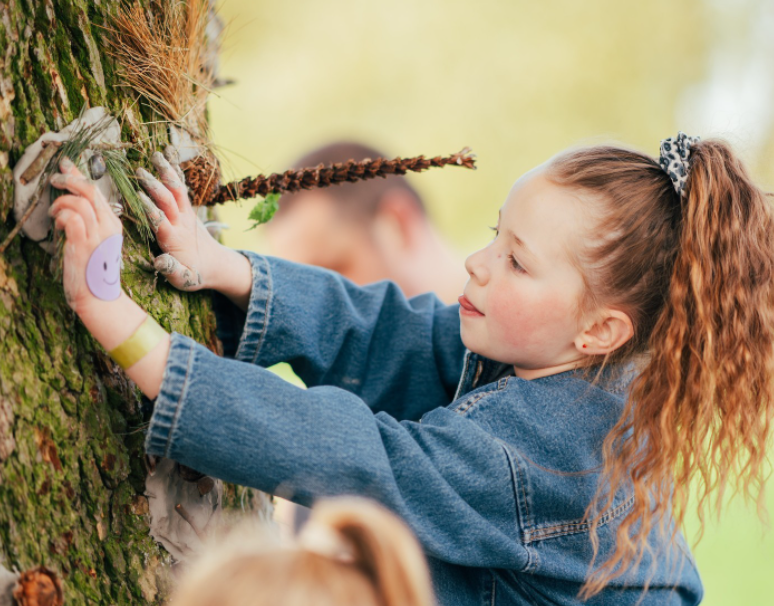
pixel 696 275
pixel 352 553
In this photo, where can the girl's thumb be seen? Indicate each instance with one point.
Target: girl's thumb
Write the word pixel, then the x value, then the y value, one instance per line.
pixel 177 274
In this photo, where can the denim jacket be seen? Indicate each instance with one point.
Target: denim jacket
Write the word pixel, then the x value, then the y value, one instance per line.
pixel 493 473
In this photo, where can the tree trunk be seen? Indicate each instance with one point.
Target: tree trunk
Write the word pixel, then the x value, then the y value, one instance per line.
pixel 72 467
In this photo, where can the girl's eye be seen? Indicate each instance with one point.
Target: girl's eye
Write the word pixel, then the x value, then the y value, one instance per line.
pixel 516 265
pixel 496 231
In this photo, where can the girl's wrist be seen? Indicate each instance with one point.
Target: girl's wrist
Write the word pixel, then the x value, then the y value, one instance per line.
pixel 111 322
pixel 233 276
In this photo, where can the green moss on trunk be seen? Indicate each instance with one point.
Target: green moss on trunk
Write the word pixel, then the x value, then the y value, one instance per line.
pixel 71 427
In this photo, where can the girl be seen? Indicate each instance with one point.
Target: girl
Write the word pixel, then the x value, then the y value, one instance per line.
pixel 350 553
pixel 521 435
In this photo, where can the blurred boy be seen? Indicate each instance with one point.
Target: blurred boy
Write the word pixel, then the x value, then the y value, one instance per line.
pixel 367 231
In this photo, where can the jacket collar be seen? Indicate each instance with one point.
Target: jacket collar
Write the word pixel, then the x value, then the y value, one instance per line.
pixel 478 370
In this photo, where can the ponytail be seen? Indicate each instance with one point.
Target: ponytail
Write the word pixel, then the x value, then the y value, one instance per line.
pixel 382 547
pixel 699 414
pixel 352 552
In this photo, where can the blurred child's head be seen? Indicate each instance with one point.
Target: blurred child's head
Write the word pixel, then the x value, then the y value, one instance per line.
pixel 332 227
pixel 352 552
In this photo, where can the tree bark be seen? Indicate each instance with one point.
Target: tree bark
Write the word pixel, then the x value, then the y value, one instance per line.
pixel 72 468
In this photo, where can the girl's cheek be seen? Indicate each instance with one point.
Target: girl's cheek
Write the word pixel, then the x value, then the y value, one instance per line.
pixel 513 319
pixel 525 322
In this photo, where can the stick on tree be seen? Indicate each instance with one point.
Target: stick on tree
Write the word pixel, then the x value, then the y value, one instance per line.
pixel 202 181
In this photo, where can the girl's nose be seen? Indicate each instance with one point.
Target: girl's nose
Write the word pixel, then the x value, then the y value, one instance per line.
pixel 475 265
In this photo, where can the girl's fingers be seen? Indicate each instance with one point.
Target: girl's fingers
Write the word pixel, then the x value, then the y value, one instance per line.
pixel 171 178
pixel 105 214
pixel 155 215
pixel 72 224
pixel 75 230
pixel 62 218
pixel 177 274
pixel 81 186
pixel 68 167
pixel 79 205
pixel 173 157
pixel 161 195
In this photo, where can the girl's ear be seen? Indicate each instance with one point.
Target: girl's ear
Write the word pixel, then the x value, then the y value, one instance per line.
pixel 608 333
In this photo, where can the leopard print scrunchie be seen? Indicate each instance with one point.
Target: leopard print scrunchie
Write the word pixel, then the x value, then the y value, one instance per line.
pixel 675 159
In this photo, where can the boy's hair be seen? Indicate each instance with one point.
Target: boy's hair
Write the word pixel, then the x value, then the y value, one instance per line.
pixel 695 274
pixel 357 200
pixel 362 555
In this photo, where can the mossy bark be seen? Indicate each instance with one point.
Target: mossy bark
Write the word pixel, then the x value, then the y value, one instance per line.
pixel 72 471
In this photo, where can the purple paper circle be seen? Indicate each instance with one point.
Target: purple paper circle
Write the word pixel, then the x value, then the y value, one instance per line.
pixel 103 272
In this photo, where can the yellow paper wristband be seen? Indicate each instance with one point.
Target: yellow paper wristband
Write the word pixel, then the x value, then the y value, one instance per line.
pixel 142 342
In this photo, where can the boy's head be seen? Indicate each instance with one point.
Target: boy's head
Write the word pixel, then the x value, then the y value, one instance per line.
pixel 331 227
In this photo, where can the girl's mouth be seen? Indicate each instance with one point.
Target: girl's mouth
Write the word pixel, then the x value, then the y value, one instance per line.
pixel 467 308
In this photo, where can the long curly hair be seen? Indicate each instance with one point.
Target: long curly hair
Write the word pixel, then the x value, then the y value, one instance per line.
pixel 696 276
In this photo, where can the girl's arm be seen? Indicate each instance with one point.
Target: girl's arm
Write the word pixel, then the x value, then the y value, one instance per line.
pixel 446 476
pixel 108 313
pixel 401 356
pixel 112 322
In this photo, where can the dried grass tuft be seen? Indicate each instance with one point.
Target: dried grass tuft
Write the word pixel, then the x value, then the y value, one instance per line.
pixel 162 51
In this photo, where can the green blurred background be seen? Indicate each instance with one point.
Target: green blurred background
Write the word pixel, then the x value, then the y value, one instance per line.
pixel 518 81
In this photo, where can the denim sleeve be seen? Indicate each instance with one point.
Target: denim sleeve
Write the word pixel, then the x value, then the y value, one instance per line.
pixel 445 476
pixel 401 356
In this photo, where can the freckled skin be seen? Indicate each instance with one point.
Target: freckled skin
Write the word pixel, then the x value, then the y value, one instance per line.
pixel 529 317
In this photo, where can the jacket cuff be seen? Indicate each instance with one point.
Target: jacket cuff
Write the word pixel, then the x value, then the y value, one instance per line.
pixel 258 308
pixel 242 333
pixel 169 402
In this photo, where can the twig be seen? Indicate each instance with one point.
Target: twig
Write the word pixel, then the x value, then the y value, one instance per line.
pixel 322 176
pixel 19 225
pixel 111 146
pixel 48 151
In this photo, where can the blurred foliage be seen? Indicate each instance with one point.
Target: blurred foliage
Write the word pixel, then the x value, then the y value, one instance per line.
pixel 518 81
pixel 264 210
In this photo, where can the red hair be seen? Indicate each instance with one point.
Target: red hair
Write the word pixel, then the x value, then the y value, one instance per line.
pixel 696 275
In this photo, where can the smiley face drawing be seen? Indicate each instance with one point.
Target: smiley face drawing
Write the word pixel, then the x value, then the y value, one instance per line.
pixel 103 272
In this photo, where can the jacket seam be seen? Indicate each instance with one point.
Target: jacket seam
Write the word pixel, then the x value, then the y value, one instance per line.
pixel 179 405
pixel 266 318
pixel 523 515
pixel 525 533
pixel 493 601
pixel 463 376
pixel 463 408
pixel 576 526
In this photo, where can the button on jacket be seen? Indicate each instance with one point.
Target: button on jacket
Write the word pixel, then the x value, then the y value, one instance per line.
pixel 492 473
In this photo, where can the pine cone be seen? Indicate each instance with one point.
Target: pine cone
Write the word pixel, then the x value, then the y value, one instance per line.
pixel 202 175
pixel 322 176
pixel 38 587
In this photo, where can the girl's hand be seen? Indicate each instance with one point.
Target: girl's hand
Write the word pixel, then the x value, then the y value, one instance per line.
pixel 190 254
pixel 92 251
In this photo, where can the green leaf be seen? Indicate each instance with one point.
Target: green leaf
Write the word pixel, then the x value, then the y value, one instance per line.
pixel 264 210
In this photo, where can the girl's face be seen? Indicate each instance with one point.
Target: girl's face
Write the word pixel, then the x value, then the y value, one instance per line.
pixel 521 301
